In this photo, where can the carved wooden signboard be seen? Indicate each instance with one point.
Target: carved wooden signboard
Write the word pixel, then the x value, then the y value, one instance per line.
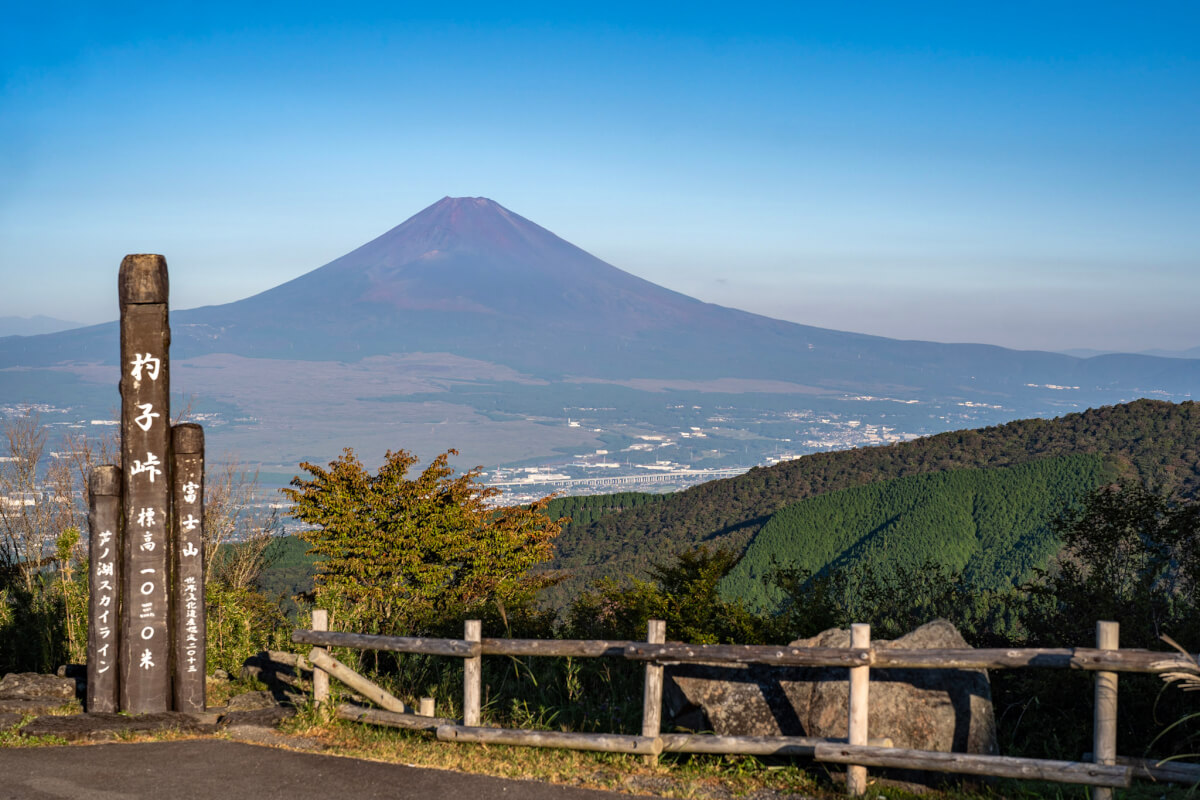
pixel 188 546
pixel 146 484
pixel 104 565
pixel 146 617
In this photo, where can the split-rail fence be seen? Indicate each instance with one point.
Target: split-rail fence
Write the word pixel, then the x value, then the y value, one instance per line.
pixel 1104 771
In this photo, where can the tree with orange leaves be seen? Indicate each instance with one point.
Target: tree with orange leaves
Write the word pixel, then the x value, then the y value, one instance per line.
pixel 400 555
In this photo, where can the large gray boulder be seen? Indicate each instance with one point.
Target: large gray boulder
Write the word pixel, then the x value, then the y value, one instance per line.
pixel 33 686
pixel 949 710
pixel 32 693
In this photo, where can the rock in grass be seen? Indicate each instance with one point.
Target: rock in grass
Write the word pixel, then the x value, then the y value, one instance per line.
pixel 36 706
pixel 251 701
pixel 32 686
pixel 101 727
pixel 258 718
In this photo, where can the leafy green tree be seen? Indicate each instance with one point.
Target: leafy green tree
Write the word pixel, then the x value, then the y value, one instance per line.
pixel 404 555
pixel 895 601
pixel 683 594
pixel 1128 555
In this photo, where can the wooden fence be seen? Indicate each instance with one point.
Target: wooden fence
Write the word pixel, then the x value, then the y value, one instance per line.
pixel 1104 771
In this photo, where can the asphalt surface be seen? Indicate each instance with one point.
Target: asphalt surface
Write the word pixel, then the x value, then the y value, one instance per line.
pixel 213 769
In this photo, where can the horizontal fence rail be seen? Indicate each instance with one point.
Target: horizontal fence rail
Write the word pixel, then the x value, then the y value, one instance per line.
pixel 971 764
pixel 1148 661
pixel 393 644
pixel 1080 658
pixel 858 752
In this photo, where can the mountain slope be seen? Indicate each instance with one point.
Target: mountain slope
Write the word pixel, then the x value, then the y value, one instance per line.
pixel 1150 441
pixel 991 524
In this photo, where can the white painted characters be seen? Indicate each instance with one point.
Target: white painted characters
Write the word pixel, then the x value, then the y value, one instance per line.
pixel 191 625
pixel 147 417
pixel 150 466
pixel 149 362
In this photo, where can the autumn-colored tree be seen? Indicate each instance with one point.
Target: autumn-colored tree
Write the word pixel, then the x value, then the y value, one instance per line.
pixel 401 555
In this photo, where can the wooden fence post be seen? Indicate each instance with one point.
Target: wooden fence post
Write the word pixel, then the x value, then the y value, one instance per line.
pixel 472 675
pixel 656 633
pixel 425 707
pixel 320 622
pixel 1104 745
pixel 860 682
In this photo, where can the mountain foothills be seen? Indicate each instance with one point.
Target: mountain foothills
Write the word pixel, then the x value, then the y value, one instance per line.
pixel 878 502
pixel 469 326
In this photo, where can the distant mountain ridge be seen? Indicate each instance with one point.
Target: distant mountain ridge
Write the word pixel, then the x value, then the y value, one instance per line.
pixel 34 325
pixel 467 276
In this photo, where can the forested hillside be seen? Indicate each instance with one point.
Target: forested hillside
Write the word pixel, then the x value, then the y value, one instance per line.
pixel 586 509
pixel 1153 442
pixel 993 525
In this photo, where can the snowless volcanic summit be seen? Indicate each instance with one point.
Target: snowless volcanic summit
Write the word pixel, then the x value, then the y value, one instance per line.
pixel 471 256
pixel 470 277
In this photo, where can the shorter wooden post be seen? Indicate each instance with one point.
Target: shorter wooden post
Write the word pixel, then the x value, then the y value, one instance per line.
pixel 860 682
pixel 189 657
pixel 104 582
pixel 472 675
pixel 1105 733
pixel 656 633
pixel 320 622
pixel 425 707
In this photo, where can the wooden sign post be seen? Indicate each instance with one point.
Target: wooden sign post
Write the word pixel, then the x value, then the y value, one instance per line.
pixel 104 578
pixel 146 485
pixel 188 656
pixel 146 621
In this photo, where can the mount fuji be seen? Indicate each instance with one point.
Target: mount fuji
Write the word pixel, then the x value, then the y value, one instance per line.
pixel 399 335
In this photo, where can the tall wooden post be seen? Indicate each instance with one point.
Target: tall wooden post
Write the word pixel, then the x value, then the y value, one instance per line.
pixel 146 485
pixel 188 656
pixel 104 581
pixel 472 675
pixel 860 684
pixel 656 633
pixel 1104 745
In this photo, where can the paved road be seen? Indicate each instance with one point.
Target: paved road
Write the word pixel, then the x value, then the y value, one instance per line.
pixel 213 769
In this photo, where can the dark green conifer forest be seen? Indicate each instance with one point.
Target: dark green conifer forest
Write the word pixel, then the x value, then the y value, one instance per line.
pixel 992 525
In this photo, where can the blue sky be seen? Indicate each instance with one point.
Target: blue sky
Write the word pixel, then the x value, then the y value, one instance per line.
pixel 1019 174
